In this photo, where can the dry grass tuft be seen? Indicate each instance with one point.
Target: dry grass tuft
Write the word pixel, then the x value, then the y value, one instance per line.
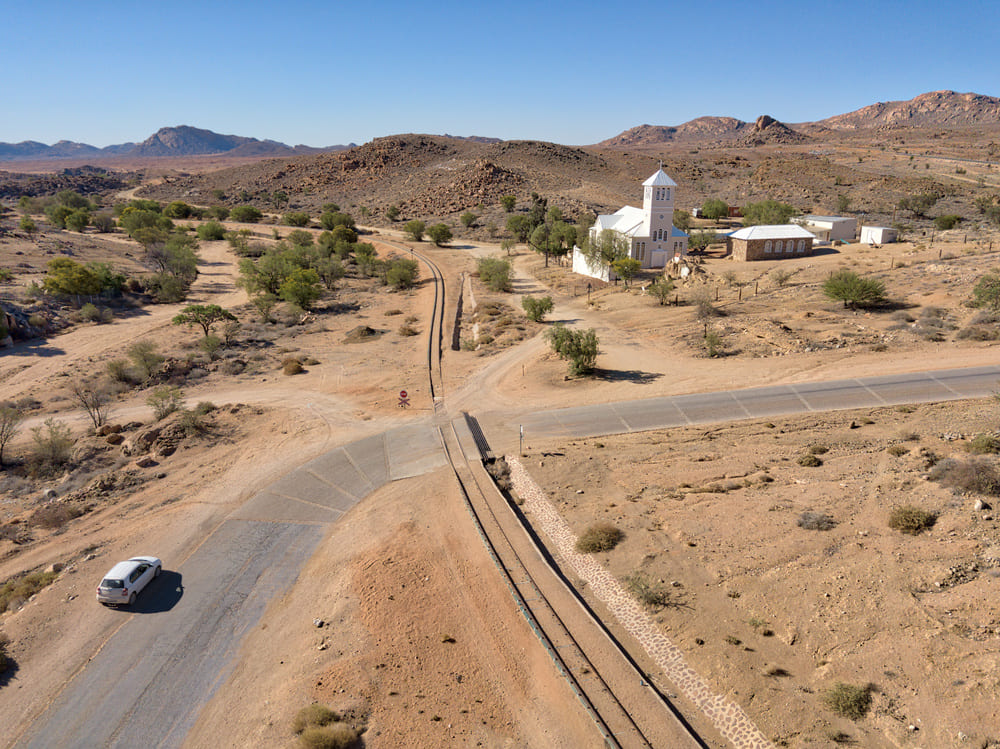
pixel 599 537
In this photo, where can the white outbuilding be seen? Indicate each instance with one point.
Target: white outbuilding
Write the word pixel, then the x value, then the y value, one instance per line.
pixel 649 231
pixel 830 228
pixel 873 235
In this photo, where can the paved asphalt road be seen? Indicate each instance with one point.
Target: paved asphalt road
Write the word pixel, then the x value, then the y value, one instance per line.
pixel 752 403
pixel 147 685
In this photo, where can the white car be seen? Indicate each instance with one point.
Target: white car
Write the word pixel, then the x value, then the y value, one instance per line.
pixel 126 579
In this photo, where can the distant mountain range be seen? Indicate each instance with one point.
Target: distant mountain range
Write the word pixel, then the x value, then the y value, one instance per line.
pixel 935 109
pixel 167 141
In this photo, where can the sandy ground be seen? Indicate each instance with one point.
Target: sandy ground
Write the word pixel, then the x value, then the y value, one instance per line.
pixel 383 658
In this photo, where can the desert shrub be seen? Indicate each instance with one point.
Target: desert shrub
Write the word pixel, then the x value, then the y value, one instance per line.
pixel 313 715
pixel 192 422
pixel 809 461
pixel 295 218
pixel 910 519
pixel 245 214
pixel 976 475
pixel 948 221
pixel 854 290
pixel 89 312
pixel 54 515
pixel 713 343
pixel 210 344
pixel 703 305
pixel 164 400
pixel 897 450
pixel 5 659
pixel 599 537
pixel 292 367
pixel 536 309
pixel 816 521
pixel 781 276
pixel 407 330
pixel 333 736
pixel 651 594
pixel 53 444
pixel 401 273
pixel 23 587
pixel 211 230
pixel 982 444
pixel 819 449
pixel 496 274
pixel 120 371
pixel 848 700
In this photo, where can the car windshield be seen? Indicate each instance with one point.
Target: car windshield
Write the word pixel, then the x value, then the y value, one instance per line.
pixel 109 583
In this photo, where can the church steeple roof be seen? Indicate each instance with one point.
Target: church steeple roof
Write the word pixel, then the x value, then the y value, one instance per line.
pixel 660 179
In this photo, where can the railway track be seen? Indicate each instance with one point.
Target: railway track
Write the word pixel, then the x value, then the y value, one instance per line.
pixel 627 708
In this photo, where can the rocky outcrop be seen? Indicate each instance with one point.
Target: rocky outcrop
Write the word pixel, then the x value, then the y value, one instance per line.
pixel 767 130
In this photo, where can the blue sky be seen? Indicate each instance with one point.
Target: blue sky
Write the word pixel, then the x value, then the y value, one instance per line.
pixel 325 73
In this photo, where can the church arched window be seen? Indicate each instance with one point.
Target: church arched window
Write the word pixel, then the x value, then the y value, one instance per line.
pixel 767 246
pixel 666 193
pixel 778 246
pixel 802 245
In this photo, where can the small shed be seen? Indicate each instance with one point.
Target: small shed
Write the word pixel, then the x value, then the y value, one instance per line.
pixel 878 235
pixel 831 228
pixel 770 242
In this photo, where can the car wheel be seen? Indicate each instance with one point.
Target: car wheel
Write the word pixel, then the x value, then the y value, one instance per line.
pixel 156 572
pixel 131 599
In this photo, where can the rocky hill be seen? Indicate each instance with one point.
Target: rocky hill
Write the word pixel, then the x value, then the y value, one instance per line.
pixel 937 108
pixel 768 130
pixel 179 141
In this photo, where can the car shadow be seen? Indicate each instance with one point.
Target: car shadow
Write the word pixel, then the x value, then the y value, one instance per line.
pixel 160 595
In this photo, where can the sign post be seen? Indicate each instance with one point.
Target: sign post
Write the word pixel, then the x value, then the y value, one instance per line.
pixel 404 399
pixel 521 444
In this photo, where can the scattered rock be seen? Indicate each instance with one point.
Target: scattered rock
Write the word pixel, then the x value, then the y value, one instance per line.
pixel 114 438
pixel 55 567
pixel 145 461
pixel 318 622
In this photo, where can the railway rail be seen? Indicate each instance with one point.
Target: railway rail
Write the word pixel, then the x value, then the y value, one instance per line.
pixel 627 708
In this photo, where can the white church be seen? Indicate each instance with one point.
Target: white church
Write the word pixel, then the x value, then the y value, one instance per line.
pixel 652 237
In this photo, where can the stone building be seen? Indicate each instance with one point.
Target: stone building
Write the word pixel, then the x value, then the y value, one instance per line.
pixel 770 242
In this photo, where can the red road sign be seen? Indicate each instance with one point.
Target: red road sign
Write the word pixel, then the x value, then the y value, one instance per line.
pixel 402 394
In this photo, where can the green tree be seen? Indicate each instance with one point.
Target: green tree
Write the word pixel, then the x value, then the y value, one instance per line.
pixel 699 240
pixel 495 273
pixel 626 268
pixel 508 202
pixel 554 214
pixel 415 229
pixel 295 218
pixel 53 444
pixel 203 315
pixel 854 290
pixel 440 234
pixel 177 256
pixel 392 212
pixel 579 347
pixel 301 288
pixel 536 309
pixel 300 238
pixel 330 270
pixel 986 292
pixel 28 226
pixel 843 203
pixel 73 200
pixel 104 223
pixel 65 276
pixel 330 219
pixel 603 250
pixel 767 212
pixel 520 227
pixel 661 289
pixel 57 213
pixel 401 273
pixel 714 209
pixel 468 219
pixel 78 221
pixel 211 230
pixel 682 220
pixel 164 400
pixel 245 214
pixel 135 219
pixel 177 209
